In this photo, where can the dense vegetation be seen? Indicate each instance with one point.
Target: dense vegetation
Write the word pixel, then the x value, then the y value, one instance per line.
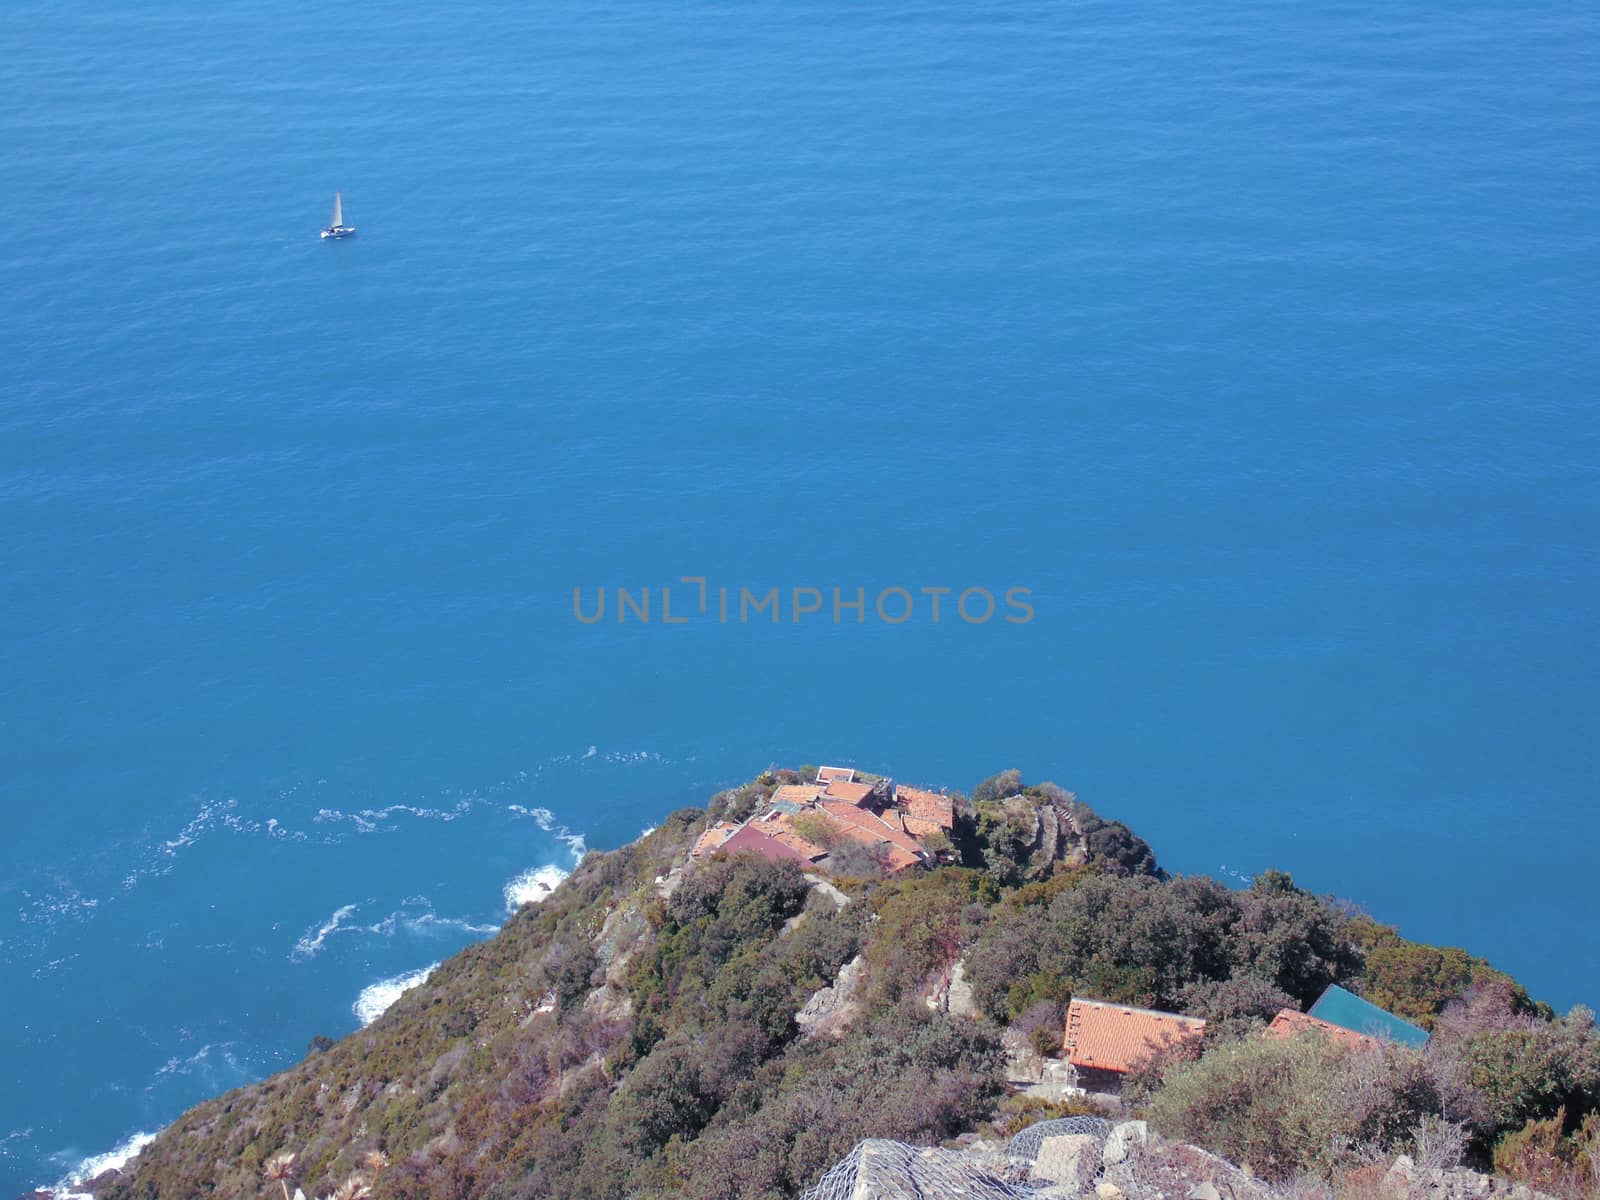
pixel 636 1034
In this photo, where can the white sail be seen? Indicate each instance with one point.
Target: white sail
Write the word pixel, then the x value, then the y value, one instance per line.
pixel 338 210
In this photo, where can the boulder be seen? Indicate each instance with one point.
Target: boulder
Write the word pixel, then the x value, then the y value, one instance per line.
pixel 1122 1141
pixel 1069 1159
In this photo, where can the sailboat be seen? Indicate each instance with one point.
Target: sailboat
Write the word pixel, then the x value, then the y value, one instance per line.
pixel 338 229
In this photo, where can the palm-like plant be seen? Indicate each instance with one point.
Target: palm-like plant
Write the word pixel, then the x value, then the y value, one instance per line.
pixel 279 1169
pixel 356 1186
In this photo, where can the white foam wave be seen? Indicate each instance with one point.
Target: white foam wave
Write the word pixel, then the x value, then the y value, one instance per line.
pixel 204 1061
pixel 375 998
pixel 50 968
pixel 1231 873
pixel 533 886
pixel 428 922
pixel 160 857
pixel 368 820
pixel 415 917
pixel 311 941
pixel 68 902
pixel 546 820
pixel 95 1164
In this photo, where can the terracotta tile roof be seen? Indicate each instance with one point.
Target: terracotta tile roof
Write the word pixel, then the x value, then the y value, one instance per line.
pixel 829 774
pixel 712 838
pixel 896 859
pixel 1114 1037
pixel 782 831
pixel 852 793
pixel 776 842
pixel 926 806
pixel 893 858
pixel 917 827
pixel 869 826
pixel 1288 1023
pixel 796 793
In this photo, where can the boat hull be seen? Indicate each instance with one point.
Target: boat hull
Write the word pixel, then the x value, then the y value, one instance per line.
pixel 338 231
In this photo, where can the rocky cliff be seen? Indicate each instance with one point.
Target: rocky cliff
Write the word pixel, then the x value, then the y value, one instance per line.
pixel 731 1028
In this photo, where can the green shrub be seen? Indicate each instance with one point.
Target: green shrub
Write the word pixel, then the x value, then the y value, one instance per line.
pixel 998 787
pixel 817 828
pixel 1533 1153
pixel 1288 1106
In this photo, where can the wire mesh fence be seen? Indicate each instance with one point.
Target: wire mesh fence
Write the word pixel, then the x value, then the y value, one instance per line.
pixel 887 1170
pixel 1025 1145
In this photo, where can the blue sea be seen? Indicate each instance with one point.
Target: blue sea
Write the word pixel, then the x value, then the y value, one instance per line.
pixel 1256 341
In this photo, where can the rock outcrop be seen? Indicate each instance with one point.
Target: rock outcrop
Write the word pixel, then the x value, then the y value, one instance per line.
pixel 831 1009
pixel 1405 1181
pixel 1091 1158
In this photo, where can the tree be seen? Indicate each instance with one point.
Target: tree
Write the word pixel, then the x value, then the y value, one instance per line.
pixel 1417 981
pixel 998 787
pixel 1112 844
pixel 1242 999
pixel 1291 938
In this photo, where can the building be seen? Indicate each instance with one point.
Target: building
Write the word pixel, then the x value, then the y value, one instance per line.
pixel 871 813
pixel 1288 1023
pixel 897 848
pixel 1105 1041
pixel 859 794
pixel 773 840
pixel 796 794
pixel 924 812
pixel 712 839
pixel 1349 1011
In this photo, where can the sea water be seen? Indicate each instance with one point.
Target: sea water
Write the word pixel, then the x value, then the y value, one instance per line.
pixel 1256 342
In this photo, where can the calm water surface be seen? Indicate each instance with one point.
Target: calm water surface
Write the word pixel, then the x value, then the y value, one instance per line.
pixel 1258 342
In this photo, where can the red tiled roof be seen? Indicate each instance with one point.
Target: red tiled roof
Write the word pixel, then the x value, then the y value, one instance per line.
pixel 917 827
pixel 851 793
pixel 783 832
pixel 712 838
pixel 900 849
pixel 1288 1023
pixel 868 826
pixel 893 858
pixel 797 793
pixel 926 806
pixel 1114 1037
pixel 769 844
pixel 829 774
pixel 896 859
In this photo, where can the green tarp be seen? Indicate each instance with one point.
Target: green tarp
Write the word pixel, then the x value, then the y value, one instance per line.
pixel 1349 1011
